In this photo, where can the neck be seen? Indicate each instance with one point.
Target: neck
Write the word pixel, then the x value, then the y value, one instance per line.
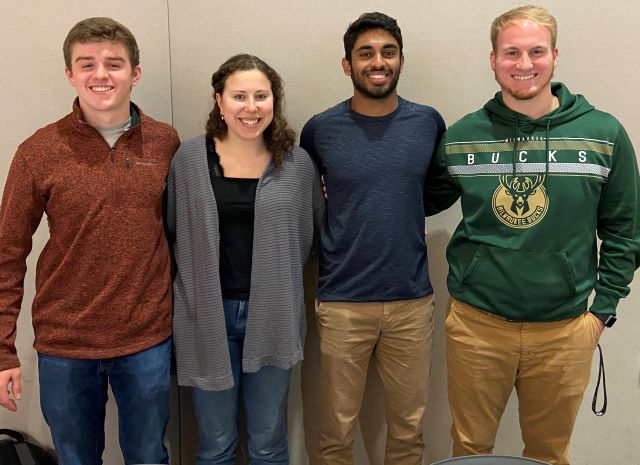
pixel 534 108
pixel 99 119
pixel 242 147
pixel 242 158
pixel 368 106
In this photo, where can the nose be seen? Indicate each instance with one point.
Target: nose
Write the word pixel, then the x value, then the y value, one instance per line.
pixel 525 62
pixel 251 104
pixel 101 71
pixel 377 60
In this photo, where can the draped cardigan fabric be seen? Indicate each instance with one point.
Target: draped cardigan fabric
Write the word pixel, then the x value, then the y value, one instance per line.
pixel 289 209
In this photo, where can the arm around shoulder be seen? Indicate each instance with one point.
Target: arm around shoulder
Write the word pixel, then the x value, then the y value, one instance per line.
pixel 440 190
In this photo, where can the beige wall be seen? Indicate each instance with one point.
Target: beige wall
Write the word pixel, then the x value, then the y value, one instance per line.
pixel 446 49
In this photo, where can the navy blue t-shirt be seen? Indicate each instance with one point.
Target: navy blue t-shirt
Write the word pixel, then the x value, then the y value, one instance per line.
pixel 372 242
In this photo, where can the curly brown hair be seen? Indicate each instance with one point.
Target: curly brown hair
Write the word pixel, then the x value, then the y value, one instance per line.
pixel 278 137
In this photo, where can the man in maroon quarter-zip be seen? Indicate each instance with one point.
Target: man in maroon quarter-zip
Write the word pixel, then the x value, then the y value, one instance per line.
pixel 102 309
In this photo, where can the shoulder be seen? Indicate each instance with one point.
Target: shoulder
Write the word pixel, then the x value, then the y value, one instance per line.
pixel 421 114
pixel 44 139
pixel 596 125
pixel 300 156
pixel 608 129
pixel 474 120
pixel 419 109
pixel 190 151
pixel 298 161
pixel 328 115
pixel 602 118
pixel 159 128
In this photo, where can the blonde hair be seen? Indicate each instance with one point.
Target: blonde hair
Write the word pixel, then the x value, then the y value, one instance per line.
pixel 537 14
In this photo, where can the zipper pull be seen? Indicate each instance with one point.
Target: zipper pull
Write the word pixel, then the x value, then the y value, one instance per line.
pixel 127 163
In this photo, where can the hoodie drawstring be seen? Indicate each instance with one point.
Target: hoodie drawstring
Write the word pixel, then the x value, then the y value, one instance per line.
pixel 546 152
pixel 546 156
pixel 515 148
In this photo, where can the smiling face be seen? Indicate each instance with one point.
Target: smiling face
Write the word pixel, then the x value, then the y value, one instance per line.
pixel 246 104
pixel 523 62
pixel 375 64
pixel 103 77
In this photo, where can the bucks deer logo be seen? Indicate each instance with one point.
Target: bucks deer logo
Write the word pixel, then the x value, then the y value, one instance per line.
pixel 520 201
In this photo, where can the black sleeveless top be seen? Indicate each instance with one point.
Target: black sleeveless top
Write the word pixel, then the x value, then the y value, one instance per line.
pixel 235 198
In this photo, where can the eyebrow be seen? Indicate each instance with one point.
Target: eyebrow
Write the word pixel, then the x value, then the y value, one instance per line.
pixel 92 58
pixel 369 47
pixel 515 47
pixel 238 91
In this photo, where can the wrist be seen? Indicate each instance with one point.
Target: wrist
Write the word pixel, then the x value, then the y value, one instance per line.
pixel 606 319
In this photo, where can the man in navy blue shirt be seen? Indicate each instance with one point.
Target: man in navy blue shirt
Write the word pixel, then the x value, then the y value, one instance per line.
pixel 374 295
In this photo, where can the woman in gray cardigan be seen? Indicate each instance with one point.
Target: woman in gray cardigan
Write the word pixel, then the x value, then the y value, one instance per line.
pixel 242 206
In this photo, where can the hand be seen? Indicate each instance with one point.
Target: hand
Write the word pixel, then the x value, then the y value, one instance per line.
pixel 601 326
pixel 12 375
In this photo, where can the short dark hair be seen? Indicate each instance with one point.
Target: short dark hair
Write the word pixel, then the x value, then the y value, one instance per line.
pixel 100 29
pixel 278 137
pixel 366 22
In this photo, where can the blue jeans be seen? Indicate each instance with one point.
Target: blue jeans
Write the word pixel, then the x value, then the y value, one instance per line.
pixel 73 395
pixel 265 401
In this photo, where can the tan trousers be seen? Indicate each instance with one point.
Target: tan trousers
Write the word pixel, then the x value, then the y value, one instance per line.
pixel 548 363
pixel 398 335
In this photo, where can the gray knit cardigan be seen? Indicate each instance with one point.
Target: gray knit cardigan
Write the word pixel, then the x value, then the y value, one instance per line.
pixel 289 207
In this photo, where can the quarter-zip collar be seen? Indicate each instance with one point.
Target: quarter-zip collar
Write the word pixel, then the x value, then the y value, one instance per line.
pixel 137 117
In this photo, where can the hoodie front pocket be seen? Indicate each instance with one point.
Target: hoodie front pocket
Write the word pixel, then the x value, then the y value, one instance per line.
pixel 518 283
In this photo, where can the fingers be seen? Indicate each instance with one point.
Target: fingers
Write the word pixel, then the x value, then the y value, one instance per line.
pixel 7 377
pixel 7 402
pixel 16 387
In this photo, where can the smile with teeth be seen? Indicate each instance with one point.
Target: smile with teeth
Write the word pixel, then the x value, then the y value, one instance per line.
pixel 377 75
pixel 249 122
pixel 524 78
pixel 101 88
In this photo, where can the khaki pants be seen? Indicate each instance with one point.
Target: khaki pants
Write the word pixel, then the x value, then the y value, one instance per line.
pixel 398 335
pixel 548 363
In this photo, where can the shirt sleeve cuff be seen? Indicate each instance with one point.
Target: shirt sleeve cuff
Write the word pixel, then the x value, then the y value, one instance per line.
pixel 604 304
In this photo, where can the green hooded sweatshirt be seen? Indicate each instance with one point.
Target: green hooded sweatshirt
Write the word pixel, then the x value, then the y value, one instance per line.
pixel 534 193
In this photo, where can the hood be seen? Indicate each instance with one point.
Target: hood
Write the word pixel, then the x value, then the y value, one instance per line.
pixel 571 107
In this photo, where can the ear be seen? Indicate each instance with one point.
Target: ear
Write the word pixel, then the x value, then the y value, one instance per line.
pixel 492 60
pixel 555 57
pixel 346 67
pixel 401 62
pixel 69 75
pixel 137 74
pixel 219 101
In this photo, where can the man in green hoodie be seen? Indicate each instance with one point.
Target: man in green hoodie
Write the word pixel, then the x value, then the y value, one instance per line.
pixel 539 172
